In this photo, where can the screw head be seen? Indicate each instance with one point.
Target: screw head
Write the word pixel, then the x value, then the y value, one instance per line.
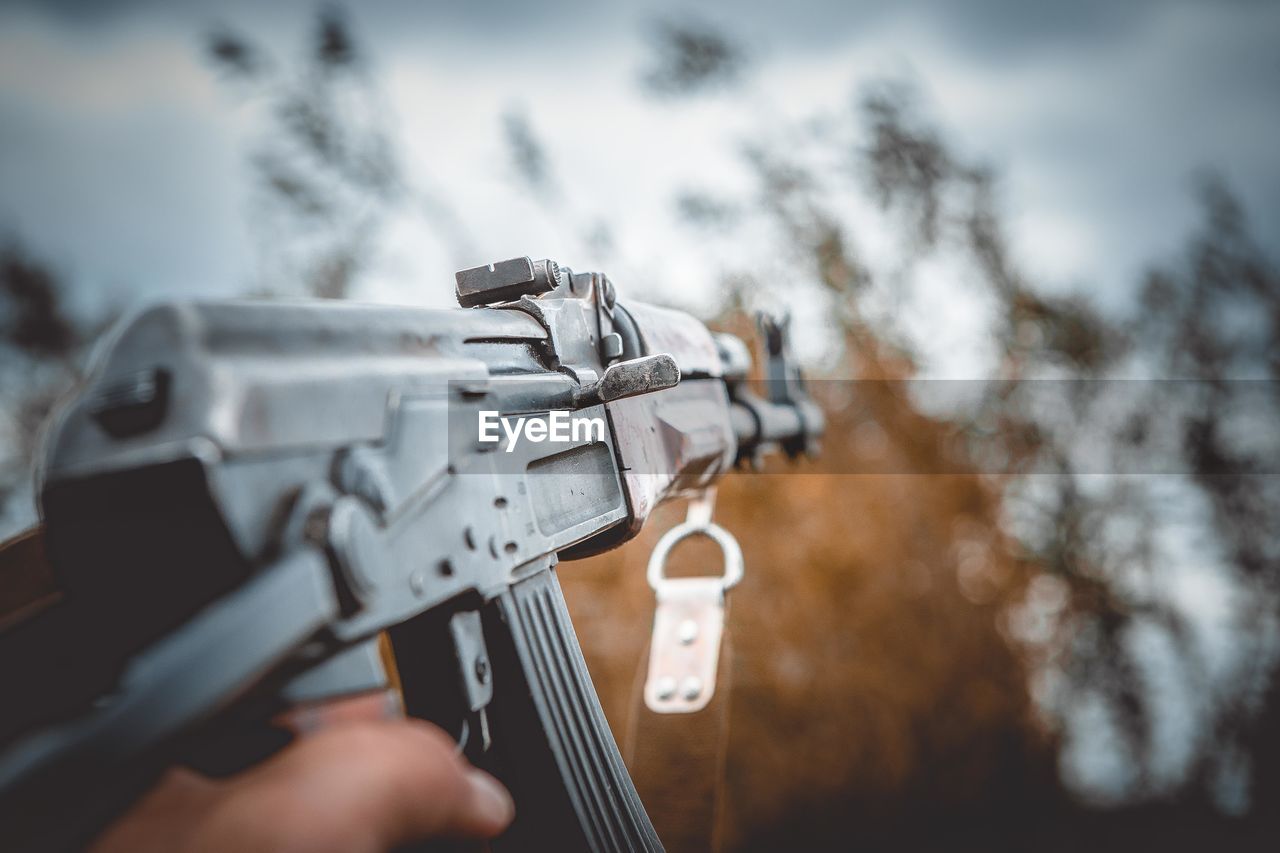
pixel 665 688
pixel 691 688
pixel 482 669
pixel 687 632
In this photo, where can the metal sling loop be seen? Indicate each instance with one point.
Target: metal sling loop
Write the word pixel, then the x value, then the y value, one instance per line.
pixel 688 623
pixel 697 522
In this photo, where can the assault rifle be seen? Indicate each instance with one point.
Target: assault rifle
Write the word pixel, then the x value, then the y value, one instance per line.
pixel 245 495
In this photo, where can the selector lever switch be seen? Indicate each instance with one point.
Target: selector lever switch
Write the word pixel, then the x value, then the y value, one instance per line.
pixel 630 379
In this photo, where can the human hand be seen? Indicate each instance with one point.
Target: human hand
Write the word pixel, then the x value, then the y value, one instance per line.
pixel 356 785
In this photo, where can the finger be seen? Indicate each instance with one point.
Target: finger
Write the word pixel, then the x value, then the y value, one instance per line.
pixel 378 705
pixel 366 787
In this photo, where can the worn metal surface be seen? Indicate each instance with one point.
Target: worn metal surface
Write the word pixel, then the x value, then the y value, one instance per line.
pixel 334 445
pixel 505 281
pixel 639 376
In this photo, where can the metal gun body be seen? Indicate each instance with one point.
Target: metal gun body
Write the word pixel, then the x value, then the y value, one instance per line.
pixel 245 495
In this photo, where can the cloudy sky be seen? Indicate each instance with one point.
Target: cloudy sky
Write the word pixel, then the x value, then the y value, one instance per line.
pixel 123 152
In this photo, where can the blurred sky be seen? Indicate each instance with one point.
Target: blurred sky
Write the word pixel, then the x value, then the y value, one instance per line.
pixel 123 153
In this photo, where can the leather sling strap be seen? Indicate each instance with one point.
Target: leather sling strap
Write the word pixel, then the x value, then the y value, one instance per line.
pixel 677 762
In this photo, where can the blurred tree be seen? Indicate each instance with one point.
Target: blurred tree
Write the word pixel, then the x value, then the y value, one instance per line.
pixel 41 347
pixel 691 56
pixel 536 175
pixel 1213 319
pixel 1095 614
pixel 528 154
pixel 328 175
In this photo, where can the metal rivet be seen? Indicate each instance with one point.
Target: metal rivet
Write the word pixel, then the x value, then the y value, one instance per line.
pixel 687 632
pixel 482 669
pixel 611 346
pixel 418 583
pixel 666 687
pixel 691 688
